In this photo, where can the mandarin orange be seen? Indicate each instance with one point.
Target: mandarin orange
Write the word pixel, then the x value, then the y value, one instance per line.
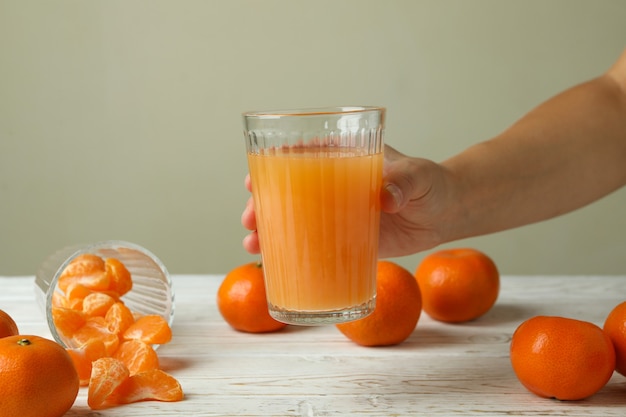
pixel 242 301
pixel 398 308
pixel 457 285
pixel 615 328
pixel 562 358
pixel 37 377
pixel 8 327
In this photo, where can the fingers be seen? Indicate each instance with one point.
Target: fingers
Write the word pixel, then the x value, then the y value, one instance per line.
pixel 247 182
pixel 404 179
pixel 251 243
pixel 393 193
pixel 248 218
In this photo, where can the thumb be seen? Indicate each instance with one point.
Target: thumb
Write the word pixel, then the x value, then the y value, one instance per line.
pixel 396 181
pixel 392 196
pixel 404 179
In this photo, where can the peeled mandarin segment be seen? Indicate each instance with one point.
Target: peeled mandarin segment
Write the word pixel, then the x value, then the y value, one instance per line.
pixel 87 269
pixel 97 304
pixel 84 356
pixel 76 304
pixel 67 321
pixel 96 329
pixel 97 281
pixel 149 385
pixel 137 356
pixel 84 264
pixel 152 329
pixel 106 375
pixel 119 277
pixel 59 300
pixel 76 290
pixel 119 318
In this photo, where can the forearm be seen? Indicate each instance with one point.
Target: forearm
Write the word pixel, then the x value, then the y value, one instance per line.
pixel 566 153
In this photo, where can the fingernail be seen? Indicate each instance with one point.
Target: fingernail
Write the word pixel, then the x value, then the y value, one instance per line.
pixel 395 192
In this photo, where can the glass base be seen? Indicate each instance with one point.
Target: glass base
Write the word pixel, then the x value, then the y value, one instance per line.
pixel 321 317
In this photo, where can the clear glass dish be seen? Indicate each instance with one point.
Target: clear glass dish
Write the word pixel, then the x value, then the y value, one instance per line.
pixel 152 291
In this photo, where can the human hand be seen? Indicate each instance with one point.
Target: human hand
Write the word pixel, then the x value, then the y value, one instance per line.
pixel 412 204
pixel 248 220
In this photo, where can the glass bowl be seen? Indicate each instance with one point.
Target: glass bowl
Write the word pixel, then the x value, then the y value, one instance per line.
pixel 151 293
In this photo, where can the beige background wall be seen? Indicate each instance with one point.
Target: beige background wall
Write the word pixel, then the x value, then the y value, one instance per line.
pixel 121 119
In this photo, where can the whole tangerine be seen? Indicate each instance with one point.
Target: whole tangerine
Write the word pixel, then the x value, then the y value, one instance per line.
pixel 615 328
pixel 398 308
pixel 37 378
pixel 458 284
pixel 242 300
pixel 562 358
pixel 8 327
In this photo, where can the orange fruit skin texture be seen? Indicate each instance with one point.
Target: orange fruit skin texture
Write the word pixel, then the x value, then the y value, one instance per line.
pixel 457 285
pixel 8 327
pixel 398 309
pixel 37 379
pixel 242 300
pixel 615 328
pixel 562 358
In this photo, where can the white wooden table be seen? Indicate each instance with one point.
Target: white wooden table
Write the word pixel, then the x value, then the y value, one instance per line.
pixel 315 371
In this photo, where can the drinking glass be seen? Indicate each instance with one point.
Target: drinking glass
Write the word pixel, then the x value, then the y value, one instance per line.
pixel 316 176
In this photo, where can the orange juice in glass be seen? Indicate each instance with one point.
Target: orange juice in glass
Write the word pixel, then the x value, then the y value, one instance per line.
pixel 316 177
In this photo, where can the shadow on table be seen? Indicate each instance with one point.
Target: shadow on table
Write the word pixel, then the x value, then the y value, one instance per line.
pixel 612 394
pixel 170 364
pixel 503 314
pixel 82 411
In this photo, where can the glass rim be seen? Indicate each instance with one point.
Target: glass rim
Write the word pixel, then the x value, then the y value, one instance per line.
pixel 313 111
